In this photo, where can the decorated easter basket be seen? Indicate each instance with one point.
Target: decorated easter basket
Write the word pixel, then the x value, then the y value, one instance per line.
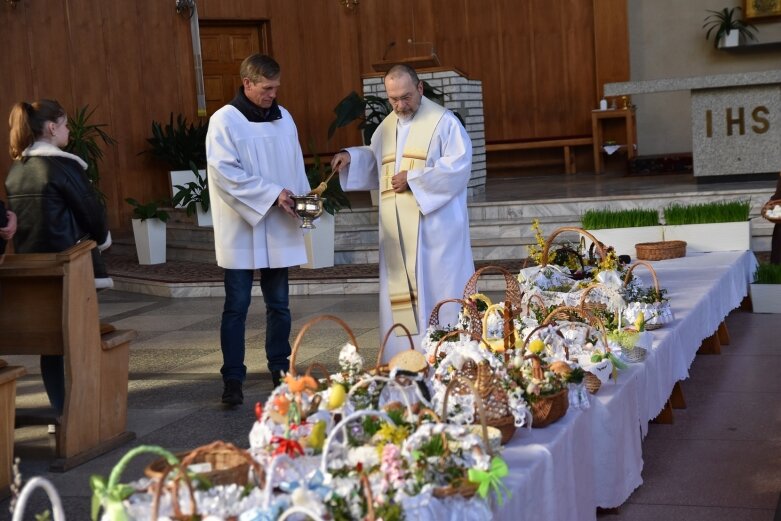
pixel 547 409
pixel 571 297
pixel 436 330
pixel 462 486
pixel 767 208
pixel 487 384
pixel 512 291
pixel 656 313
pixel 590 380
pixel 227 463
pixel 307 326
pixel 507 338
pixel 384 369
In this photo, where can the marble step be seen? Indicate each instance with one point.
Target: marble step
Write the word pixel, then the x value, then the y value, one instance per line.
pixel 517 228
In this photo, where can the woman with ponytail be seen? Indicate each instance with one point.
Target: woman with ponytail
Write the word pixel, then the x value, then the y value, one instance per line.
pixel 55 204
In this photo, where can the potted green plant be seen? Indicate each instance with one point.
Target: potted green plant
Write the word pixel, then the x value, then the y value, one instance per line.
pixel 622 229
pixel 180 144
pixel 727 28
pixel 194 197
pixel 715 226
pixel 84 141
pixel 149 231
pixel 766 289
pixel 320 241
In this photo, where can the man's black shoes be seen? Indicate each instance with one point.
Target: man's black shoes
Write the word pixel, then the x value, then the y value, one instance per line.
pixel 232 394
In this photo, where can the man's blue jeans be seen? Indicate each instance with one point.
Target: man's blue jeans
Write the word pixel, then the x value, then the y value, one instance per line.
pixel 238 290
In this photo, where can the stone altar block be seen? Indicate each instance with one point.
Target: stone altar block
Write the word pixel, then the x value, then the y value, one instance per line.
pixel 735 119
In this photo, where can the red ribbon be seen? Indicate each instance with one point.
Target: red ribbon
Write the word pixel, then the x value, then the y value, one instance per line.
pixel 287 446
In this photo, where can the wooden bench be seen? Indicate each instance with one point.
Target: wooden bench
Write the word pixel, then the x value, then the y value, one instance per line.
pixel 565 143
pixel 8 377
pixel 48 306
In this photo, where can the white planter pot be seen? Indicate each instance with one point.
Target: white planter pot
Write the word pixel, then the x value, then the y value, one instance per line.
pixel 624 239
pixel 320 243
pixel 731 39
pixel 766 298
pixel 203 218
pixel 182 177
pixel 149 235
pixel 711 237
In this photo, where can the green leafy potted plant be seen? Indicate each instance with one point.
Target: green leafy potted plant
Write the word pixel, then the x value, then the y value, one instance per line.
pixel 84 141
pixel 766 289
pixel 180 144
pixel 622 229
pixel 715 226
pixel 727 28
pixel 194 197
pixel 149 231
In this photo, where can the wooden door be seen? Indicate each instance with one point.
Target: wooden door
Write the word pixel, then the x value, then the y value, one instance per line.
pixel 223 48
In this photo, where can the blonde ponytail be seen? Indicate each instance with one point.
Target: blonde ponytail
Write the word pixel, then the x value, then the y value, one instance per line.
pixel 26 122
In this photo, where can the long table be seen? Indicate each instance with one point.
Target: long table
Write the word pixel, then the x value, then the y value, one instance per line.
pixel 593 458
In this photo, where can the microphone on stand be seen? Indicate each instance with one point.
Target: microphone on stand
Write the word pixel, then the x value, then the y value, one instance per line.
pixel 387 50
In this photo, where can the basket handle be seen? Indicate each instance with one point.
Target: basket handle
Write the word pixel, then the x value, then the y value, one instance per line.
pixel 592 320
pixel 508 331
pixel 534 296
pixel 471 312
pixel 320 367
pixel 540 328
pixel 388 335
pixel 557 231
pixel 455 332
pixel 341 425
pixel 650 268
pixel 479 405
pixel 588 289
pixel 307 326
pixel 512 290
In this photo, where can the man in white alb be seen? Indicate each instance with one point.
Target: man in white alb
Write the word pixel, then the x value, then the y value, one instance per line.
pixel 420 158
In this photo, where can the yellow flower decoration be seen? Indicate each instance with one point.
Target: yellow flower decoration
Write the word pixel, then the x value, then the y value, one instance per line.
pixel 535 252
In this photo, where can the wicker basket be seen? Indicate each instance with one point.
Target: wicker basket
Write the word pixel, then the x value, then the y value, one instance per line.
pixel 591 382
pixel 635 355
pixel 769 206
pixel 549 242
pixel 471 311
pixel 549 409
pixel 648 326
pixel 307 326
pixel 230 465
pixel 463 486
pixel 512 291
pixel 483 382
pixel 654 251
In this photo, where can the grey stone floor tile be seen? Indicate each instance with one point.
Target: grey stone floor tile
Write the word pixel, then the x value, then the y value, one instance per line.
pixel 710 472
pixel 183 339
pixel 159 322
pixel 162 360
pixel 722 416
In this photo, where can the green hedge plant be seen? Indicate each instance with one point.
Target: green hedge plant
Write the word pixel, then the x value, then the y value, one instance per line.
pixel 630 218
pixel 768 274
pixel 716 212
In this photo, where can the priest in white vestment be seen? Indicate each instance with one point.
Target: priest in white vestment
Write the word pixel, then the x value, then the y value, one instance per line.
pixel 420 159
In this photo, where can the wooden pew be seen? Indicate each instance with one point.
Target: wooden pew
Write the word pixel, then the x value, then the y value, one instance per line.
pixel 48 306
pixel 8 377
pixel 567 144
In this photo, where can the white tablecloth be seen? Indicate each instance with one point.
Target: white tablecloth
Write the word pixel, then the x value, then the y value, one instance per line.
pixel 594 458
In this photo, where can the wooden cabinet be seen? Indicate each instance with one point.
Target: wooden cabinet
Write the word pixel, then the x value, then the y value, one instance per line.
pixel 613 124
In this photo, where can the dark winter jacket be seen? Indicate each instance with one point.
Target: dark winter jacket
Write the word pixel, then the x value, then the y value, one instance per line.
pixel 55 204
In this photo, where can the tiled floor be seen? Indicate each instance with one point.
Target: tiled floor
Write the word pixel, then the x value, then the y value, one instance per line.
pixel 718 461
